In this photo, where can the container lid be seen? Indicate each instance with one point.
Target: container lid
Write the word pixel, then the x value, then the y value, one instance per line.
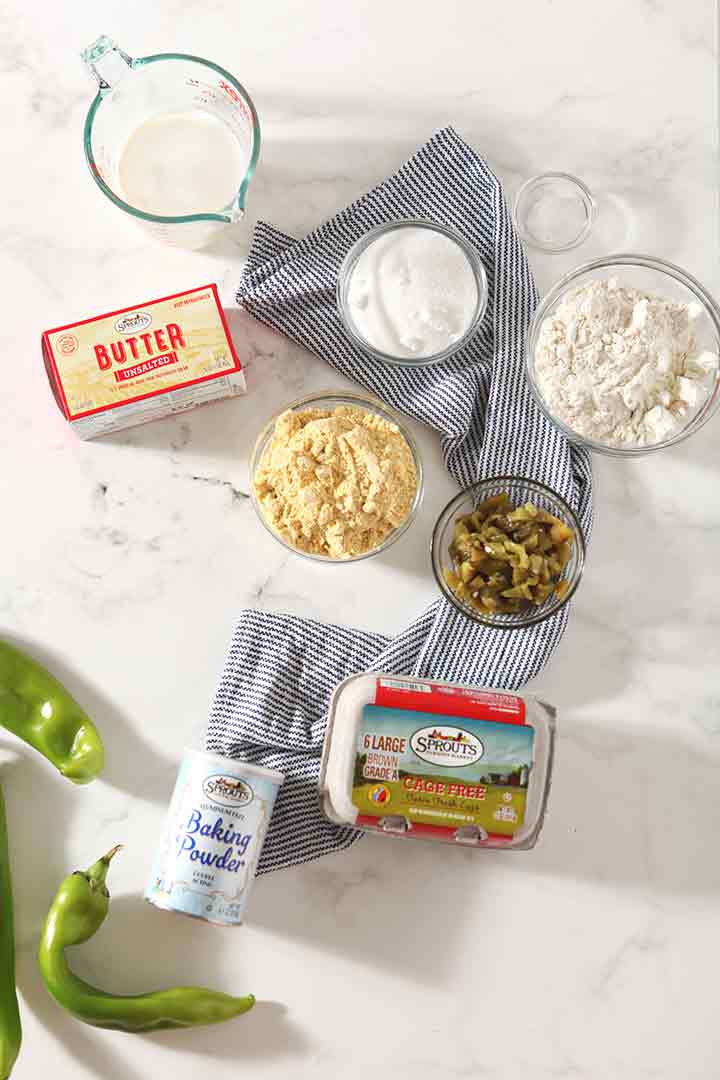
pixel 245 766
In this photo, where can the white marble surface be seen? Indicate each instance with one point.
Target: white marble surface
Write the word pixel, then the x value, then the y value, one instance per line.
pixel 126 560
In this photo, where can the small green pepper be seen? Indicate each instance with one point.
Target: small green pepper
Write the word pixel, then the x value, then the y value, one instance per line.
pixel 77 912
pixel 10 1030
pixel 39 710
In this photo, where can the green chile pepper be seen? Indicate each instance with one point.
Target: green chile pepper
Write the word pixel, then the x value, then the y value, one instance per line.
pixel 10 1030
pixel 77 912
pixel 39 710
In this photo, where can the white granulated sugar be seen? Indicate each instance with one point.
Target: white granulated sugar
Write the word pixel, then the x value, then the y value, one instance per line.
pixel 622 366
pixel 412 292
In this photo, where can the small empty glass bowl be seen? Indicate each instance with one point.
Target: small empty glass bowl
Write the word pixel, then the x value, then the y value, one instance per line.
pixel 554 211
pixel 520 491
pixel 329 399
pixel 348 266
pixel 653 276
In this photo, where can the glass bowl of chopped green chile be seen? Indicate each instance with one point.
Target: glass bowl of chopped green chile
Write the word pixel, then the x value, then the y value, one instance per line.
pixel 508 552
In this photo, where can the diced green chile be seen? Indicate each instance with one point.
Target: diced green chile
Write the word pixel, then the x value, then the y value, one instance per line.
pixel 508 558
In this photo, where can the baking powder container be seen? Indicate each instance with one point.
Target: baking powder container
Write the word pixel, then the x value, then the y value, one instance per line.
pixel 214 833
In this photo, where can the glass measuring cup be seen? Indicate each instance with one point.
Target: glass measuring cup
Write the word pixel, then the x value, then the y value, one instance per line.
pixel 132 91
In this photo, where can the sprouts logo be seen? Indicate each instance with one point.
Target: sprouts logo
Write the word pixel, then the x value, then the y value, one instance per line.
pixel 133 323
pixel 449 746
pixel 227 790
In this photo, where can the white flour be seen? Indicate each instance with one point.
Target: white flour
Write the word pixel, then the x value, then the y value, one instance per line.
pixel 622 366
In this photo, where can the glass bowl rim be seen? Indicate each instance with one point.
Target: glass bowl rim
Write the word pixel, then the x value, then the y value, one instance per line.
pixel 522 621
pixel 361 400
pixel 586 196
pixel 363 242
pixel 620 261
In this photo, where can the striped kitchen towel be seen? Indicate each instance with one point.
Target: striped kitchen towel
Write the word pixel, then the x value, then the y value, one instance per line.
pixel 271 704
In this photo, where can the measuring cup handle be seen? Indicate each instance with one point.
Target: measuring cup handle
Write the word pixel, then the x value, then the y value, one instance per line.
pixel 107 62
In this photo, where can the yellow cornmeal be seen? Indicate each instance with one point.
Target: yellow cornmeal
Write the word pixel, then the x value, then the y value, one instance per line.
pixel 335 482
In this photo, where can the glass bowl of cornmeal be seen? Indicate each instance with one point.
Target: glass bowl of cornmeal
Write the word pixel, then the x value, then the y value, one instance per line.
pixel 336 477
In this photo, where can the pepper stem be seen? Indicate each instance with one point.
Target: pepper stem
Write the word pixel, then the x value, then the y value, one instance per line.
pixel 97 873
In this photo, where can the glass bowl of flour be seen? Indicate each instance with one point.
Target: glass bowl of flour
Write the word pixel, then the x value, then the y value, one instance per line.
pixel 622 355
pixel 411 292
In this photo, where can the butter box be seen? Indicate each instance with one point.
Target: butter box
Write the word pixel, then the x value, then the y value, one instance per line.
pixel 143 362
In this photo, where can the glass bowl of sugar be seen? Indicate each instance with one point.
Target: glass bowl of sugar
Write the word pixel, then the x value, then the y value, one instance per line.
pixel 412 292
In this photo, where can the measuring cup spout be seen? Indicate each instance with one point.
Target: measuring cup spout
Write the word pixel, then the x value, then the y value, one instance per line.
pixel 107 62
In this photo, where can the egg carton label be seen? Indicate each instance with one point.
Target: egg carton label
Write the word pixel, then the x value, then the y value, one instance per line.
pixel 141 363
pixel 466 701
pixel 434 773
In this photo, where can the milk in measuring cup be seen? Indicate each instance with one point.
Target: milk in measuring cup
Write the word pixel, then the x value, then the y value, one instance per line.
pixel 214 832
pixel 178 163
pixel 170 139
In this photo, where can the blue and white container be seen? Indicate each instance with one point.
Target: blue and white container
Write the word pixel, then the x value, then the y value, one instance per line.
pixel 213 836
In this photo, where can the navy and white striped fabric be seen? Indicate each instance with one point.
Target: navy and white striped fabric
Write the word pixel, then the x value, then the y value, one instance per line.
pixel 271 704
